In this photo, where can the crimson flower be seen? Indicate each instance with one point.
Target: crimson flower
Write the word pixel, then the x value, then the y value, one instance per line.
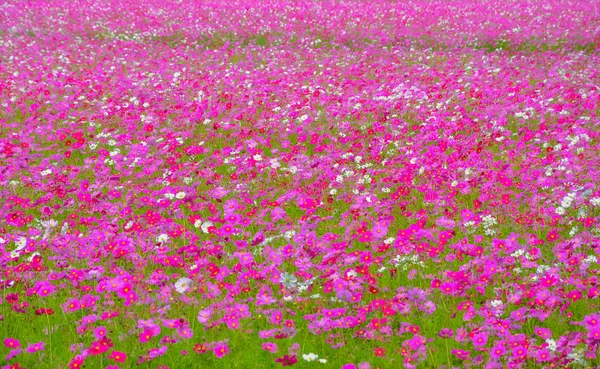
pixel 287 360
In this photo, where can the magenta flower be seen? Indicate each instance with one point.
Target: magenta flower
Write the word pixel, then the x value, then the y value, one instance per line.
pixel 543 356
pixel 100 332
pixel 12 343
pixel 220 349
pixel 270 347
pixel 118 356
pixel 35 347
pixel 480 339
pixel 446 333
pixel 12 353
pixel 461 354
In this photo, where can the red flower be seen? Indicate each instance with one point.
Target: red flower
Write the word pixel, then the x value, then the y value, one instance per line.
pixel 287 360
pixel 379 351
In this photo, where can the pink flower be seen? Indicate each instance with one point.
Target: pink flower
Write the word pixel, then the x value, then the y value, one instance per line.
pixel 35 347
pixel 100 332
pixel 221 349
pixel 544 333
pixel 461 354
pixel 146 335
pixel 480 339
pixel 269 346
pixel 185 331
pixel 12 343
pixel 542 355
pixel 14 352
pixel 118 356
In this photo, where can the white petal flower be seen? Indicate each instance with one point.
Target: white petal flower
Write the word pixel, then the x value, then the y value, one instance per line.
pixel 310 357
pixel 162 238
pixel 21 243
pixel 206 225
pixel 183 284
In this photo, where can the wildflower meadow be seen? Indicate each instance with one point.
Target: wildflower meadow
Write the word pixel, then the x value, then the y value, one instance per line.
pixel 316 184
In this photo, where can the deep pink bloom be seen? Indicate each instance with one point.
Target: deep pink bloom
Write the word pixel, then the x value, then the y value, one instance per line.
pixel 221 349
pixel 118 356
pixel 35 347
pixel 269 346
pixel 12 343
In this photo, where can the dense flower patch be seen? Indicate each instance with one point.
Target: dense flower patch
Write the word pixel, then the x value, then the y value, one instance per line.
pixel 312 184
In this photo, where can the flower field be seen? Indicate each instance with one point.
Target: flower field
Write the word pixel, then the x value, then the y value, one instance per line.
pixel 259 184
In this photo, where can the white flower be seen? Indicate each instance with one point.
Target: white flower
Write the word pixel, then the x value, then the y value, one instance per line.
pixel 591 259
pixel 206 225
pixel 2 241
pixel 454 183
pixel 495 303
pixel 187 180
pixel 46 172
pixel 198 223
pixel 51 223
pixel 112 142
pixel 293 169
pixel 257 157
pixel 183 284
pixel 169 196
pixel 310 357
pixel 566 202
pixel 162 238
pixel 14 254
pixel 288 280
pixel 573 231
pixel 180 195
pixel 275 163
pixel 21 243
pixel 595 201
pixel 559 210
pixel 323 361
pixel 333 191
pixel 517 253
